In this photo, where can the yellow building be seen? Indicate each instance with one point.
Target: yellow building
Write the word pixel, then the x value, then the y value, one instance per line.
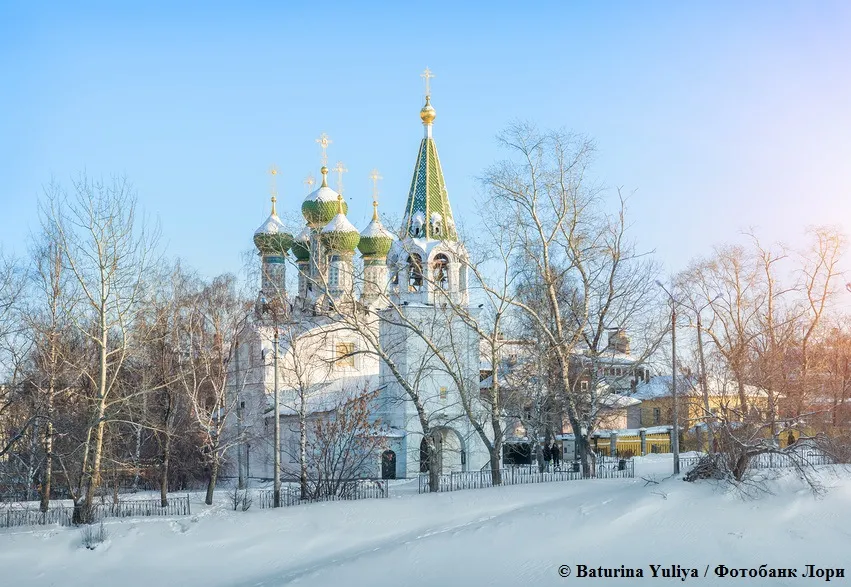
pixel 656 407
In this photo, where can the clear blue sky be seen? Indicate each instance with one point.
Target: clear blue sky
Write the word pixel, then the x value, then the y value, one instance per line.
pixel 720 115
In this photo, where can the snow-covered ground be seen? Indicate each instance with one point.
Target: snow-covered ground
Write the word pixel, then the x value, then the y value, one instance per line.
pixel 512 536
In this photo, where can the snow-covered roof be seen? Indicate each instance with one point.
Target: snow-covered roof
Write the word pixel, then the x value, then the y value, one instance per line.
pixel 376 229
pixel 609 356
pixel 323 194
pixel 660 386
pixel 616 401
pixel 329 396
pixel 339 224
pixel 272 225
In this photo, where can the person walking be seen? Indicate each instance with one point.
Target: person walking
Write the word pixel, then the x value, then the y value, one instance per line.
pixel 555 451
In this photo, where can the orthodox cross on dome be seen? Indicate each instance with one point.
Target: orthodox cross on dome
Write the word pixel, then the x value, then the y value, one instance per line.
pixel 324 141
pixel 273 172
pixel 340 171
pixel 309 181
pixel 427 75
pixel 375 177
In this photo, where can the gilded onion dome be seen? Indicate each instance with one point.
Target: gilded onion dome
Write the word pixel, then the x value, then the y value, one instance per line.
pixel 321 205
pixel 339 234
pixel 428 114
pixel 301 245
pixel 271 238
pixel 375 240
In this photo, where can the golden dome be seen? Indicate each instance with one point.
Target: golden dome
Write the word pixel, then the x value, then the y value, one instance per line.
pixel 427 114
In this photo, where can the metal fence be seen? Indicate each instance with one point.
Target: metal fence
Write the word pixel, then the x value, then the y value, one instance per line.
pixel 27 515
pixel 608 468
pixel 347 490
pixel 801 457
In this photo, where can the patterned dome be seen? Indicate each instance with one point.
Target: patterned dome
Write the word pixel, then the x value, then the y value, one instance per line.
pixel 321 205
pixel 271 238
pixel 339 234
pixel 375 240
pixel 301 245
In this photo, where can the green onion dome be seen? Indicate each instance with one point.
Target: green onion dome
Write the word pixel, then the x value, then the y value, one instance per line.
pixel 272 238
pixel 339 234
pixel 375 240
pixel 320 206
pixel 301 245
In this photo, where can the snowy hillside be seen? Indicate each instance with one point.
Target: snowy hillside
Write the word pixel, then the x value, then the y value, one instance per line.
pixel 508 536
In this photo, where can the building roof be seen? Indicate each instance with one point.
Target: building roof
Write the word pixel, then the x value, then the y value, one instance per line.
pixel 328 396
pixel 428 200
pixel 616 401
pixel 660 387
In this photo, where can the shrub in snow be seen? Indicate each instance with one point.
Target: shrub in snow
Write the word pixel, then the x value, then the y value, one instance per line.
pixel 241 499
pixel 94 535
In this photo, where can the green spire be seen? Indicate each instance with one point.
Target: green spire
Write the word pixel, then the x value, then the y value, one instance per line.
pixel 428 196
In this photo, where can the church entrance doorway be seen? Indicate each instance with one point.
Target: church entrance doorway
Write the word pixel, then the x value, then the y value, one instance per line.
pixel 388 464
pixel 450 454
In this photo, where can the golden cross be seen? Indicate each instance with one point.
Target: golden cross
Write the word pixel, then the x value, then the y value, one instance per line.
pixel 309 181
pixel 427 75
pixel 273 171
pixel 340 171
pixel 324 141
pixel 375 177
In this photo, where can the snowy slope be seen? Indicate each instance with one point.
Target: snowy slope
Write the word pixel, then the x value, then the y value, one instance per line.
pixel 505 536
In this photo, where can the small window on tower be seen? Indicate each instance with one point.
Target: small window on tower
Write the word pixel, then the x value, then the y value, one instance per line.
pixel 345 354
pixel 583 385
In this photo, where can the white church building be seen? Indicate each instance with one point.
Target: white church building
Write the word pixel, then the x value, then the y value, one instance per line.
pixel 327 332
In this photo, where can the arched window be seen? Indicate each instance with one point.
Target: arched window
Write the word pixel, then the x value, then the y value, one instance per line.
pixel 436 224
pixel 440 267
pixel 417 225
pixel 415 272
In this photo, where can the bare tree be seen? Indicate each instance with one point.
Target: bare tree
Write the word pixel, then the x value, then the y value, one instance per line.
pixel 216 320
pixel 15 419
pixel 764 326
pixel 583 274
pixel 303 371
pixel 49 328
pixel 106 251
pixel 343 444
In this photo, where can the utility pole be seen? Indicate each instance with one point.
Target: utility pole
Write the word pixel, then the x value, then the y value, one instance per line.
pixel 675 433
pixel 277 476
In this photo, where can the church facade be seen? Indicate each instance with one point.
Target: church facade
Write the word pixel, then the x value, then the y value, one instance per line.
pixel 374 314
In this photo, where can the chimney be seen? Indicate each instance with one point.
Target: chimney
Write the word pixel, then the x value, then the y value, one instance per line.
pixel 618 341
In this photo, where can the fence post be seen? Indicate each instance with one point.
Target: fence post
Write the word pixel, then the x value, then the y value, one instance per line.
pixel 188 507
pixel 613 444
pixel 642 435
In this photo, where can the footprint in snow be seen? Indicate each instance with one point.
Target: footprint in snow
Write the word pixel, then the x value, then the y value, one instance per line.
pixel 736 534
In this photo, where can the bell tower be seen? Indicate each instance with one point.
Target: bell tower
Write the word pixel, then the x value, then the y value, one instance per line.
pixel 428 263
